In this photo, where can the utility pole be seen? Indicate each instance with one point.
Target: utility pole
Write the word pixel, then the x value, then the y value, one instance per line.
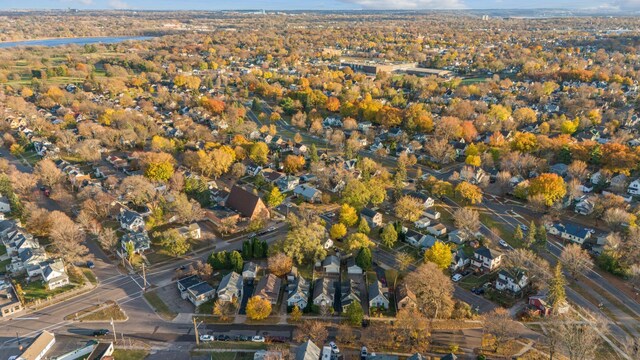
pixel 115 336
pixel 195 327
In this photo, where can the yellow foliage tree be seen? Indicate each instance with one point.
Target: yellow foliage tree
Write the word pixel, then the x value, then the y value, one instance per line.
pixel 469 192
pixel 258 308
pixel 439 254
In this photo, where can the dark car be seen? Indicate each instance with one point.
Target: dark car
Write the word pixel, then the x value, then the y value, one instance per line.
pixel 223 338
pixel 101 332
pixel 90 264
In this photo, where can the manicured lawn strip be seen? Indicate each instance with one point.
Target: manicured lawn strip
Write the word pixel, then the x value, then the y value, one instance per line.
pixel 130 354
pixel 90 276
pixel 106 314
pixel 159 305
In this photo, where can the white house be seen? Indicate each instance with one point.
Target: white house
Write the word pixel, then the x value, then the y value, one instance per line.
pixel 331 264
pixel 130 220
pixel 575 233
pixel 377 299
pixel 634 187
pixel 250 270
pixel 485 259
pixel 5 205
pixel 298 293
pixel 54 274
pixel 513 280
pixel 352 267
pixel 230 287
pixel 437 229
pixel 432 214
pixel 422 223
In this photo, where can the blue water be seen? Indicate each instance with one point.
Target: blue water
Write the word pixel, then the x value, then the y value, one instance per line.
pixel 72 41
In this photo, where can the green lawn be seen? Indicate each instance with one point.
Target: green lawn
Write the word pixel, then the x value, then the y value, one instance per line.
pixel 504 231
pixel 106 314
pixel 472 281
pixel 36 290
pixel 3 265
pixel 233 345
pixel 159 305
pixel 130 354
pixel 3 249
pixel 206 308
pixel 90 275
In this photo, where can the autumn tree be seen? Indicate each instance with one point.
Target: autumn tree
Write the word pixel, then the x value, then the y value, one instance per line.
pixel 354 313
pixel 158 166
pixel 274 197
pixel 439 254
pixel 408 208
pixel 433 290
pixel 259 152
pixel 469 192
pixel 500 326
pixel 186 211
pixel 358 240
pixel 363 226
pixel 467 220
pixel 549 185
pixel 337 231
pixel 67 237
pixel 47 173
pixel 279 264
pixel 225 309
pixel 389 236
pixel 258 308
pixel 305 239
pixel 575 259
pixel 293 163
pixel 348 215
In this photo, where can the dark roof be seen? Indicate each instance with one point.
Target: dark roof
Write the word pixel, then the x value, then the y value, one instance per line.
pixel 449 356
pixel 189 281
pixel 242 201
pixel 368 212
pixel 201 289
pixel 486 252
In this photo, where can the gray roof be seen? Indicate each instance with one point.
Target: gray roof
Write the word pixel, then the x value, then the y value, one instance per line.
pixel 368 212
pixel 201 288
pixel 308 351
pixel 231 282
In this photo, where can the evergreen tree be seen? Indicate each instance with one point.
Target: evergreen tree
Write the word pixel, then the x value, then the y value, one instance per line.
pixel 363 226
pixel 531 235
pixel 517 234
pixel 313 153
pixel 557 295
pixel 364 259
pixel 541 235
pixel 247 249
pixel 236 262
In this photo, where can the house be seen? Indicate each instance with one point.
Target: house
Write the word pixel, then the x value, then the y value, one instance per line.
pixel 9 302
pixel 457 236
pixel 374 218
pixel 308 193
pixel 200 293
pixel 331 264
pixel 130 220
pixel 185 283
pixel 246 203
pixel 39 347
pixel 459 261
pixel 559 169
pixel 323 292
pixel 328 244
pixel 268 288
pixel 634 187
pixel 191 231
pixel 449 356
pixel 513 280
pixel 569 231
pixel 250 270
pixel 405 298
pixel 308 351
pixel 101 351
pixel 352 267
pixel 413 237
pixel 377 299
pixel 485 259
pixel 437 229
pixel 300 149
pixel 432 214
pixel 140 240
pixel 425 200
pixel 230 287
pixel 54 274
pixel 540 303
pixel 287 183
pixel 253 169
pixel 349 294
pixel 422 223
pixel 5 205
pixel 584 207
pixel 298 293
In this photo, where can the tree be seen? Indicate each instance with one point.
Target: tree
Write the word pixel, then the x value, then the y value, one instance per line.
pixel 580 340
pixel 158 166
pixel 500 326
pixel 549 185
pixel 439 254
pixel 541 235
pixel 314 330
pixel 338 231
pixel 433 290
pixel 363 226
pixel 174 243
pixel 469 192
pixel 187 211
pixel 67 237
pixel 389 236
pixel 411 330
pixel 305 239
pixel 293 163
pixel 235 261
pixel 279 264
pixel 404 260
pixel 137 189
pixel 575 259
pixel 524 142
pixel 225 309
pixel 467 220
pixel 274 197
pixel 47 173
pixel 348 215
pixel 473 160
pixel 557 296
pixel 517 234
pixel 538 270
pixel 354 313
pixel 358 240
pixel 130 249
pixel 108 239
pixel 296 314
pixel 408 208
pixel 364 259
pixel 258 308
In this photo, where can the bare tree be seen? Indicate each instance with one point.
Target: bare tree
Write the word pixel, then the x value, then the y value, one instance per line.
pixel 580 339
pixel 441 151
pixel 314 330
pixel 538 269
pixel 500 326
pixel 467 220
pixel 575 259
pixel 67 237
pixel 279 264
pixel 108 239
pixel 47 172
pixel 433 290
pixel 187 211
pixel 578 170
pixel 137 189
pixel 503 181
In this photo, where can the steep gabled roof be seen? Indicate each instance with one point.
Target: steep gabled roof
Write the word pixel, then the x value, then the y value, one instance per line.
pixel 243 201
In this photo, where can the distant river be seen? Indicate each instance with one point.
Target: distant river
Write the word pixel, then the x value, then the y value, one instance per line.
pixel 72 41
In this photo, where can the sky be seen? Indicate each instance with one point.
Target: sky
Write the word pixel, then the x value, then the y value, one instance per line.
pixel 320 4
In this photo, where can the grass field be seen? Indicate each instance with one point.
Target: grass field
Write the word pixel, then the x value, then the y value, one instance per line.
pixel 36 290
pixel 130 354
pixel 90 276
pixel 106 314
pixel 157 303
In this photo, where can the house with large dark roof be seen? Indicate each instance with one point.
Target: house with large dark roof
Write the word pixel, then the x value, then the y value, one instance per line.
pixel 485 259
pixel 246 203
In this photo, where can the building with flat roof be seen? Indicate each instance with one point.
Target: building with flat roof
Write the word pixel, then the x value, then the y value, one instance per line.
pixel 39 347
pixel 9 302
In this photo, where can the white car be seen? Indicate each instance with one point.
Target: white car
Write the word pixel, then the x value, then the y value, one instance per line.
pixel 257 338
pixel 206 338
pixel 456 277
pixel 503 243
pixel 334 348
pixel 271 228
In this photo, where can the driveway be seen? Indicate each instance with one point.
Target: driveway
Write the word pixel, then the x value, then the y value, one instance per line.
pixel 171 296
pixel 247 291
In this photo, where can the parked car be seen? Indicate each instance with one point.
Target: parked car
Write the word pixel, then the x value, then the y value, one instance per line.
pixel 364 352
pixel 101 332
pixel 90 264
pixel 503 243
pixel 271 228
pixel 334 347
pixel 456 277
pixel 223 338
pixel 524 227
pixel 257 338
pixel 206 338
